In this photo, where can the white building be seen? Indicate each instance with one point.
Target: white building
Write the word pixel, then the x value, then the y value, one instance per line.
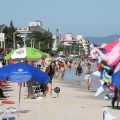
pixel 69 39
pixel 33 26
pixel 35 23
pixel 23 31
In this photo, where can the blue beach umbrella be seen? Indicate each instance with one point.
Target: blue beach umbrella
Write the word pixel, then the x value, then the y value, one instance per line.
pixel 116 80
pixel 22 72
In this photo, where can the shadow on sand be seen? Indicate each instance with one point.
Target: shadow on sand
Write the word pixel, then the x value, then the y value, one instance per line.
pixel 22 111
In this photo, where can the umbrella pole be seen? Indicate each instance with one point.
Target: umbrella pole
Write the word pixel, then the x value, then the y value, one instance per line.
pixel 19 101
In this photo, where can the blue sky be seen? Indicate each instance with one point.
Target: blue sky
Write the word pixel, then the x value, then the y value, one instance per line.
pixel 86 17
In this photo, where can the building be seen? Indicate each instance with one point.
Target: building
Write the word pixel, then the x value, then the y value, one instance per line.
pixel 36 26
pixel 69 39
pixel 23 31
pixel 33 26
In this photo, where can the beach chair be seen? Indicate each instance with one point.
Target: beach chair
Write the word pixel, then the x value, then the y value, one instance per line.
pixel 31 88
pixel 35 89
pixel 38 89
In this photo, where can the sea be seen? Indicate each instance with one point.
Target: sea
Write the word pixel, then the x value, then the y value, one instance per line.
pixel 70 77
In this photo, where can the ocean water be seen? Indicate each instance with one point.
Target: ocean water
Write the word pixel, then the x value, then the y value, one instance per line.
pixel 71 77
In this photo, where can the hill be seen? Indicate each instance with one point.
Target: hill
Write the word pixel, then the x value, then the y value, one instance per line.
pixel 101 40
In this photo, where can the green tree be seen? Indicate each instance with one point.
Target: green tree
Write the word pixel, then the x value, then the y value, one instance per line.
pixel 9 35
pixel 45 40
pixel 11 25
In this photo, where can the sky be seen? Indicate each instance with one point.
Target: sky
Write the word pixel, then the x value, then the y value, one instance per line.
pixel 85 17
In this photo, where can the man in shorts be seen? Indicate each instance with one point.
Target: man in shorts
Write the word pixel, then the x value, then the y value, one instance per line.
pixel 88 74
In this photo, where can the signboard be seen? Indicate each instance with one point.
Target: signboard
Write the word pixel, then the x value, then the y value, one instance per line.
pixel 2 37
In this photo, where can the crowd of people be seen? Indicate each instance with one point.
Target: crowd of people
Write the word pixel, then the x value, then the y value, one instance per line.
pixel 55 69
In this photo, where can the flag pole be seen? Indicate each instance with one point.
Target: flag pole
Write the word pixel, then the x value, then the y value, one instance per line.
pixel 19 101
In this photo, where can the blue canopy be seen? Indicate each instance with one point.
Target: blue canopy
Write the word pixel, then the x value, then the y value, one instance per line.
pixel 116 80
pixel 22 72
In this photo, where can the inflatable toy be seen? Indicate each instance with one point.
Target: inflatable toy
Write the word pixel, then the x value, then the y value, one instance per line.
pixel 100 91
pixel 96 73
pixel 117 68
pixel 111 58
pixel 116 80
pixel 109 47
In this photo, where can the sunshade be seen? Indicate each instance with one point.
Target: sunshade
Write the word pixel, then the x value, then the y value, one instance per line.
pixel 116 80
pixel 25 53
pixel 76 59
pixel 22 72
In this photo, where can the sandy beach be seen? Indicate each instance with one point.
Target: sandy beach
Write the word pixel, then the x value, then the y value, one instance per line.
pixel 73 103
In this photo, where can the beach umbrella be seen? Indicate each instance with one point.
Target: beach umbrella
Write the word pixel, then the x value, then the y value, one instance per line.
pixel 116 79
pixel 8 56
pixel 76 59
pixel 25 53
pixel 22 72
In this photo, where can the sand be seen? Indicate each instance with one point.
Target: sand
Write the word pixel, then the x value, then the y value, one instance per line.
pixel 73 103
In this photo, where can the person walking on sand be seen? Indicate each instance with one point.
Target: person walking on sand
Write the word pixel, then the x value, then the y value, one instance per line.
pixel 50 70
pixel 79 70
pixel 87 74
pixel 62 70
